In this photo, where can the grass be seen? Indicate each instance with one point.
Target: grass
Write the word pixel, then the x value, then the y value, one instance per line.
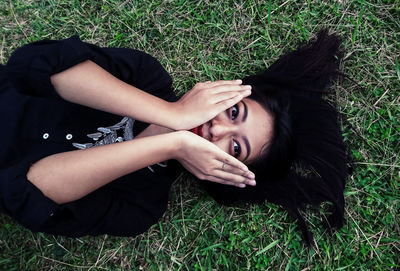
pixel 210 40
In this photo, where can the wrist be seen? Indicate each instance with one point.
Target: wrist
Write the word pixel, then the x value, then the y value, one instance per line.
pixel 178 146
pixel 173 115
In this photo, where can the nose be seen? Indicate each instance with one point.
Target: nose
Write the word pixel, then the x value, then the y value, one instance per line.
pixel 220 129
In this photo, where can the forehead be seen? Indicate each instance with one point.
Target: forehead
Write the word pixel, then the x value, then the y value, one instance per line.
pixel 258 128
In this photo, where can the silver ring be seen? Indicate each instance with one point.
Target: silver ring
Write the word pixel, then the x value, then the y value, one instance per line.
pixel 223 164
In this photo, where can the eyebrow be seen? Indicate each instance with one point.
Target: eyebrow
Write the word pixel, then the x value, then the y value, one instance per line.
pixel 246 141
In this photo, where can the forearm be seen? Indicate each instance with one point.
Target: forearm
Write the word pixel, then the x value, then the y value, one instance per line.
pixel 71 175
pixel 90 85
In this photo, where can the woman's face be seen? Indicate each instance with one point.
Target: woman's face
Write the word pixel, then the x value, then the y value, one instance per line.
pixel 242 131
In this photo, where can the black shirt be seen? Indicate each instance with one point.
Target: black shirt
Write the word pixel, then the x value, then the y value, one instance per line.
pixel 36 123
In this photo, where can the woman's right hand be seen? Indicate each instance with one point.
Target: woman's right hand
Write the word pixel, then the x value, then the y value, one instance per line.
pixel 208 162
pixel 205 101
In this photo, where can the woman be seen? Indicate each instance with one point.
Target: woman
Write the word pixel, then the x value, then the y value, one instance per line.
pixel 61 102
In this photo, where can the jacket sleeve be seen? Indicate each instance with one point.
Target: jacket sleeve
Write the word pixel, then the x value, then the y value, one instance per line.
pixel 19 198
pixel 98 213
pixel 31 66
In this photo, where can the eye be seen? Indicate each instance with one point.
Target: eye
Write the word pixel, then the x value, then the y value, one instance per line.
pixel 237 150
pixel 234 112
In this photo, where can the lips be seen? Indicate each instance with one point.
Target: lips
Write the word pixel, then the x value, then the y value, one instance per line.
pixel 198 130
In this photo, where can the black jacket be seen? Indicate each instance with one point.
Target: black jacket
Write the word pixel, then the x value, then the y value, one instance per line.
pixel 36 122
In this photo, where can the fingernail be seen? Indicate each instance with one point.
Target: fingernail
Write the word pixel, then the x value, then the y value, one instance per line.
pixel 239 81
pixel 251 175
pixel 242 185
pixel 244 168
pixel 253 183
pixel 248 87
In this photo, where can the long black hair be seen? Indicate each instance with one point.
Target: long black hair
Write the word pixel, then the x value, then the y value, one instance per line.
pixel 306 134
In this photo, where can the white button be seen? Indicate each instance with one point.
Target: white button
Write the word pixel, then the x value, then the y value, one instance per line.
pixel 45 136
pixel 68 137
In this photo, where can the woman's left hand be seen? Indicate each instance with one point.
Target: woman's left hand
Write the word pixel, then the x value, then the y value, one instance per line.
pixel 206 100
pixel 208 162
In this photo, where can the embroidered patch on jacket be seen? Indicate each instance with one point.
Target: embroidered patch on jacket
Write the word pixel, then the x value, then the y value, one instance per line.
pixel 122 131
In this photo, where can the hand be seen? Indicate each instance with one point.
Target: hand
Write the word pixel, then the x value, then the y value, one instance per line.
pixel 207 162
pixel 206 100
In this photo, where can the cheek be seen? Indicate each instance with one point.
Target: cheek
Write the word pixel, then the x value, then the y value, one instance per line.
pixel 223 144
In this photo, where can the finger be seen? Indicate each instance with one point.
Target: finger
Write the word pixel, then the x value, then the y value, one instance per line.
pixel 224 82
pixel 223 105
pixel 226 88
pixel 234 178
pixel 224 159
pixel 237 171
pixel 227 172
pixel 222 96
pixel 223 181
